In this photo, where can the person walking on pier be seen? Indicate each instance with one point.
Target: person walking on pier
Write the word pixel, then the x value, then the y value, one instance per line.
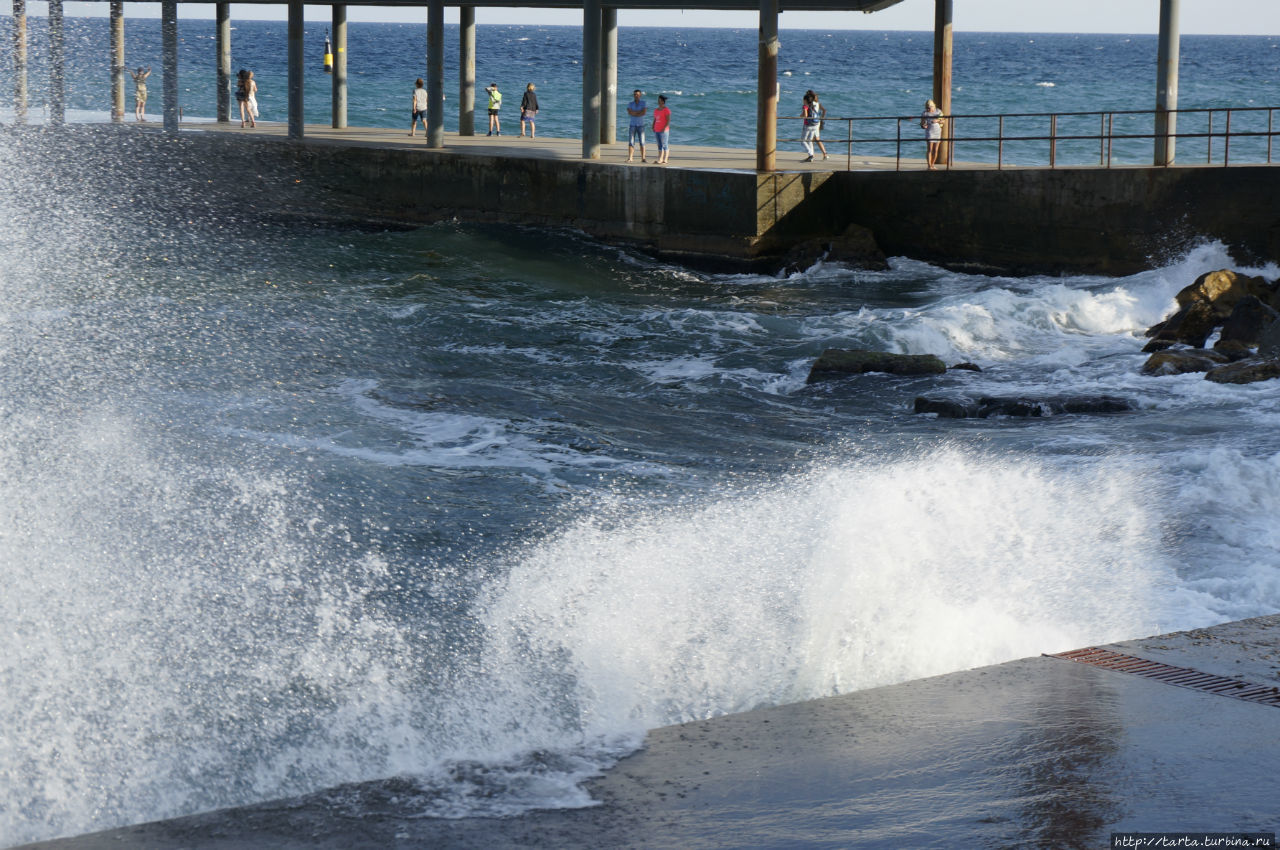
pixel 662 128
pixel 813 112
pixel 636 109
pixel 931 121
pixel 418 112
pixel 495 103
pixel 528 110
pixel 245 87
pixel 140 93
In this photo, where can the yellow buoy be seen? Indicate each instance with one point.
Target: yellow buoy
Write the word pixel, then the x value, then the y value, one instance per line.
pixel 328 55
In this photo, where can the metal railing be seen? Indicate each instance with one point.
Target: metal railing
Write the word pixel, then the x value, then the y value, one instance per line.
pixel 1107 138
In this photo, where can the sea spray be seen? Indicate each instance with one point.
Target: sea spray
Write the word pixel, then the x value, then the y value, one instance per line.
pixel 854 575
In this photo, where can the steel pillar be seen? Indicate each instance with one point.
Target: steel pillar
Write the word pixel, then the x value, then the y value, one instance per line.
pixel 117 60
pixel 339 97
pixel 942 52
pixel 20 61
pixel 767 88
pixel 1167 57
pixel 169 64
pixel 296 115
pixel 57 67
pixel 435 73
pixel 222 26
pixel 609 76
pixel 591 21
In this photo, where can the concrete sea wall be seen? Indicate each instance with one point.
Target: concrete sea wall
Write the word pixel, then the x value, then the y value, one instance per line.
pixel 1101 221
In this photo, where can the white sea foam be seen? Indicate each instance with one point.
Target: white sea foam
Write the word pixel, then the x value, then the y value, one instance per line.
pixel 857 574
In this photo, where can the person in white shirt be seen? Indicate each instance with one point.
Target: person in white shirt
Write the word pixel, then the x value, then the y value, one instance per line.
pixel 419 112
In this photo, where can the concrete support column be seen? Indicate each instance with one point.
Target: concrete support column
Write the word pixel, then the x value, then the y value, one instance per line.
pixel 435 73
pixel 295 70
pixel 767 88
pixel 339 98
pixel 222 18
pixel 1167 83
pixel 57 67
pixel 591 40
pixel 20 61
pixel 466 70
pixel 609 76
pixel 942 51
pixel 169 64
pixel 117 60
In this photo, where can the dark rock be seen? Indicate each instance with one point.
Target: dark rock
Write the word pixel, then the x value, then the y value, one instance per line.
pixel 968 367
pixel 1020 406
pixel 1246 323
pixel 1181 360
pixel 856 247
pixel 1269 341
pixel 1223 289
pixel 1245 372
pixel 1233 349
pixel 1191 326
pixel 947 408
pixel 836 362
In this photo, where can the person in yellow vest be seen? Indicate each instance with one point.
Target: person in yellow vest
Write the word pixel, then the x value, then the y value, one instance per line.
pixel 495 103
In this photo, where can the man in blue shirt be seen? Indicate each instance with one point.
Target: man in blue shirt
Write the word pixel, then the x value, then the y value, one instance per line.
pixel 636 109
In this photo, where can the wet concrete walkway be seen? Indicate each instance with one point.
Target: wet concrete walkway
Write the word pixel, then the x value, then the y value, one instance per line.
pixel 1041 752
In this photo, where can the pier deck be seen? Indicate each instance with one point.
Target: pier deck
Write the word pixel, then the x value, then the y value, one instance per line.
pixel 570 149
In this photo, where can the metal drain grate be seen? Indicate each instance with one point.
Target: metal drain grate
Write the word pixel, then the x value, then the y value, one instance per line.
pixel 1183 677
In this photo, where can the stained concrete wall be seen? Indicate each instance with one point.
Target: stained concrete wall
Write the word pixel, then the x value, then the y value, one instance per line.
pixel 1018 221
pixel 1115 221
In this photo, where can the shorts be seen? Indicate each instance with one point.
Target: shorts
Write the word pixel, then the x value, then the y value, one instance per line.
pixel 419 115
pixel 637 136
pixel 527 117
pixel 493 112
pixel 661 136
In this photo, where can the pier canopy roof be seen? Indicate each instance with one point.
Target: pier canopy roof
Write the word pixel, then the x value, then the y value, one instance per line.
pixel 725 5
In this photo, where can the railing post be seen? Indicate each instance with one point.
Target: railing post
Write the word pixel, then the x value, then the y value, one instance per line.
pixel 848 134
pixel 1270 131
pixel 1111 129
pixel 1208 140
pixel 898 155
pixel 1102 138
pixel 1053 141
pixel 1226 141
pixel 1000 145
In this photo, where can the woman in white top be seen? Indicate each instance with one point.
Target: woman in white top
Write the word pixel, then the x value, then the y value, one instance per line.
pixel 931 121
pixel 419 112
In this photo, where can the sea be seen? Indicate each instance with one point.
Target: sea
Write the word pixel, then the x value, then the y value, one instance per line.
pixel 286 507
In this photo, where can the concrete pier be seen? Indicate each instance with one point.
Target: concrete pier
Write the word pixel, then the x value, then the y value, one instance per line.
pixel 1041 752
pixel 711 207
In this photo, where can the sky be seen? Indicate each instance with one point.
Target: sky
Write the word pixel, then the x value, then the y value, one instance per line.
pixel 1208 17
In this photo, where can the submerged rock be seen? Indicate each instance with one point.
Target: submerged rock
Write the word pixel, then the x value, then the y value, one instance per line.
pixel 1021 406
pixel 967 367
pixel 1179 361
pixel 856 247
pixel 837 362
pixel 1245 371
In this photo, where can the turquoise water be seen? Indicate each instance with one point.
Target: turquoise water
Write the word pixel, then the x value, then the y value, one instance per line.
pixel 285 507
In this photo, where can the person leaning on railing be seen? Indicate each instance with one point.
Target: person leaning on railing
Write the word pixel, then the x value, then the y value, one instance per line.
pixel 932 122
